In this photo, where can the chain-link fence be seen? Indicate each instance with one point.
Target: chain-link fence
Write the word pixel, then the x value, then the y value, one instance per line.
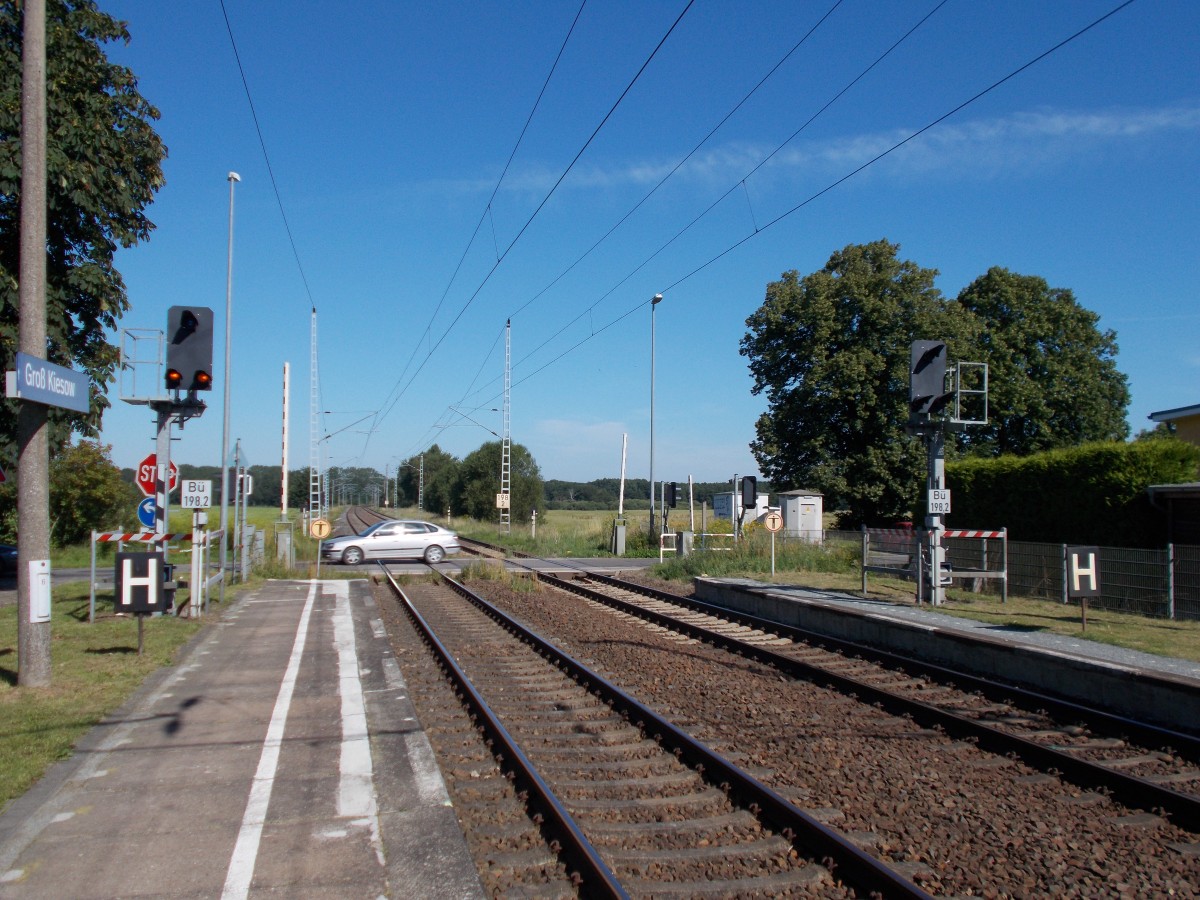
pixel 1161 583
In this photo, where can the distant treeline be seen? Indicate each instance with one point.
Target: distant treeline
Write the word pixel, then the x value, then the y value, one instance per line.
pixel 603 493
pixel 599 494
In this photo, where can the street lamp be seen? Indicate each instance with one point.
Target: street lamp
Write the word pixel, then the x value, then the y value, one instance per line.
pixel 654 301
pixel 233 178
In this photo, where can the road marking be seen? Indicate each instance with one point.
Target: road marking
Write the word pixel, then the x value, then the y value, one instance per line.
pixel 356 789
pixel 245 851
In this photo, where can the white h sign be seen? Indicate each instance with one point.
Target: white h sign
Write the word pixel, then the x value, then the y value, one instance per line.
pixel 1083 571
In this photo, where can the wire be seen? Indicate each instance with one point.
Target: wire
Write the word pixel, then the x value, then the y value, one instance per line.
pixel 740 182
pixel 532 216
pixel 266 156
pixel 488 206
pixel 980 94
pixel 683 160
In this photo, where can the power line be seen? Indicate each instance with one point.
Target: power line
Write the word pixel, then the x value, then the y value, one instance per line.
pixel 266 156
pixel 534 214
pixel 980 94
pixel 488 206
pixel 740 182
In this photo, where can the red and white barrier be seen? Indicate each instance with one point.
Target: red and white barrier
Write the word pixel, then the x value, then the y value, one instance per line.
pixel 140 537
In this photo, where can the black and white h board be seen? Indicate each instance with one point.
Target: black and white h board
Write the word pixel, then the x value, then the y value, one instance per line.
pixel 1083 572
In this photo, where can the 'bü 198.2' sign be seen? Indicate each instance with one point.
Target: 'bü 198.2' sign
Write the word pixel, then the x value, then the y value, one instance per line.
pixel 196 494
pixel 44 382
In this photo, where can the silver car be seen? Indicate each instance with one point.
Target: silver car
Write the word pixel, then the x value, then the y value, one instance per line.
pixel 393 539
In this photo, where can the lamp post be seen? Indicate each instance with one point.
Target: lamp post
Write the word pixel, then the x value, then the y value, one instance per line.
pixel 654 301
pixel 233 177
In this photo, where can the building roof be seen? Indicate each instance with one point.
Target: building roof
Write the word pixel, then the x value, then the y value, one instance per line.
pixel 1169 415
pixel 799 493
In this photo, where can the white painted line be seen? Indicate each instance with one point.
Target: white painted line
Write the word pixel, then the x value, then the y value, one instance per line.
pixel 356 788
pixel 426 774
pixel 245 851
pixel 391 673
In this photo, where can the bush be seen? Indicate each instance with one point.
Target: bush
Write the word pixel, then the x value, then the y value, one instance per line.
pixel 1093 494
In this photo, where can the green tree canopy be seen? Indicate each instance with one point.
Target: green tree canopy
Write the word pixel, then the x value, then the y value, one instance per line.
pixel 831 351
pixel 438 470
pixel 103 169
pixel 1052 373
pixel 87 494
pixel 479 482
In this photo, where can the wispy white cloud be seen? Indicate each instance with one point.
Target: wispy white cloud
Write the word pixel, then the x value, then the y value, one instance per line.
pixel 1020 142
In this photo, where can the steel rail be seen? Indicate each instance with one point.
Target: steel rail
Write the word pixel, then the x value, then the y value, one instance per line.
pixel 1128 789
pixel 1142 732
pixel 593 872
pixel 807 834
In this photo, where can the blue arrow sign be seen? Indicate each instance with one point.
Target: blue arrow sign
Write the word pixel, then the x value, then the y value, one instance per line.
pixel 146 510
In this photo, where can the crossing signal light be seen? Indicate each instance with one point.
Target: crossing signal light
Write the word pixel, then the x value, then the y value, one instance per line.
pixel 671 494
pixel 927 393
pixel 749 492
pixel 189 348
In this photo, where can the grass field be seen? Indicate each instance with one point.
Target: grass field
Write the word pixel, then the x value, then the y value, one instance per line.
pixel 94 669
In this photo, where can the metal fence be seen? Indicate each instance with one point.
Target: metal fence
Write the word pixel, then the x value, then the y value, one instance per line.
pixel 1161 583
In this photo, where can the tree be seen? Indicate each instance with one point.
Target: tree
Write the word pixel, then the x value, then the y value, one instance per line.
pixel 1052 373
pixel 103 169
pixel 440 471
pixel 831 353
pixel 479 481
pixel 87 494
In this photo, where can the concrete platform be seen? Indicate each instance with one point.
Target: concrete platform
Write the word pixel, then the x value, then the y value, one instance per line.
pixel 281 757
pixel 1159 689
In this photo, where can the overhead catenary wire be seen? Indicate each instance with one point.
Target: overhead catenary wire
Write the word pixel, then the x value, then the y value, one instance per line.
pixel 637 76
pixel 267 157
pixel 740 182
pixel 487 207
pixel 831 186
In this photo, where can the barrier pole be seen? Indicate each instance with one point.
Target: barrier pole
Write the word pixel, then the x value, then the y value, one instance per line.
pixel 92 598
pixel 866 548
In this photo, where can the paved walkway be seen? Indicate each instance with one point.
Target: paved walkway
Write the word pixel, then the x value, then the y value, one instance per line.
pixel 282 756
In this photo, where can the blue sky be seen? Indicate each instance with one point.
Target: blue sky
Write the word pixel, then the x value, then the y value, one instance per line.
pixel 388 125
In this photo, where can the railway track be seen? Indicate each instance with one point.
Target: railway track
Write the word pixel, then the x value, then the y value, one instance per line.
pixel 1139 762
pixel 963 785
pixel 634 805
pixel 1089 747
pixel 1079 759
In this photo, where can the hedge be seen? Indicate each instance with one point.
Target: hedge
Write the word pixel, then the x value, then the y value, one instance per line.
pixel 1093 494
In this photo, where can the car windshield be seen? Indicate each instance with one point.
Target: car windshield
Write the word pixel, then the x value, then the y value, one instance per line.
pixel 373 528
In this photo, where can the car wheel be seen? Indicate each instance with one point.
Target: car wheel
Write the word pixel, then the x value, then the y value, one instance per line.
pixel 434 554
pixel 352 556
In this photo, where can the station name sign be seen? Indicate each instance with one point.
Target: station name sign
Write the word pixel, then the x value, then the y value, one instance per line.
pixel 44 382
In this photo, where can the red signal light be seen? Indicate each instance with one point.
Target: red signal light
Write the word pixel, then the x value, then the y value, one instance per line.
pixel 174 379
pixel 202 381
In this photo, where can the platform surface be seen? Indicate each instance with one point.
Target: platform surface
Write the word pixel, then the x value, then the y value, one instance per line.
pixel 281 756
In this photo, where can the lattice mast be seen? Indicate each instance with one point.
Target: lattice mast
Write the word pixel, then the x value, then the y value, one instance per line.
pixel 506 441
pixel 315 506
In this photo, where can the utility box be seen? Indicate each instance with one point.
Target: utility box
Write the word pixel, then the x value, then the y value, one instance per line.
pixel 803 515
pixel 726 506
pixel 683 543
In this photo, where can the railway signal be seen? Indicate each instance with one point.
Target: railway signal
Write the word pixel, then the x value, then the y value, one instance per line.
pixel 927 395
pixel 189 348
